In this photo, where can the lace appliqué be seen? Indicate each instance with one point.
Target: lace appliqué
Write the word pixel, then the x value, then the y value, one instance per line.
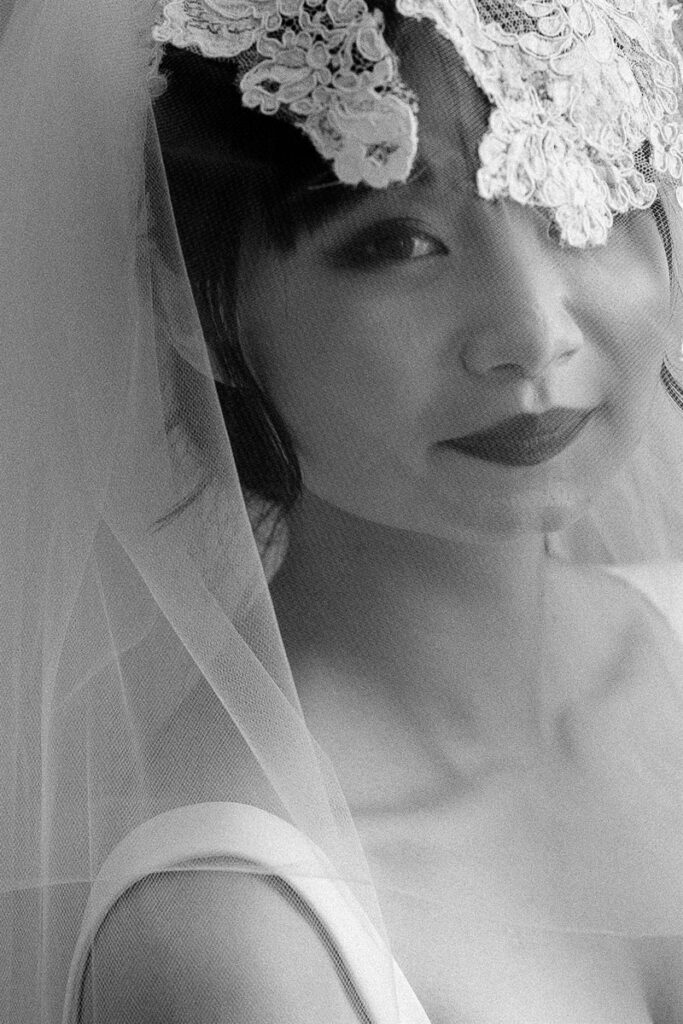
pixel 577 88
pixel 322 63
pixel 584 93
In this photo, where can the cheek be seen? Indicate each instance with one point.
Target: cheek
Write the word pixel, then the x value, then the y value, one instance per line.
pixel 623 305
pixel 346 372
pixel 626 308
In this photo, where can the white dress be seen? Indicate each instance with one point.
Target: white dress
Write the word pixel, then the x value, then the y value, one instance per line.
pixel 231 831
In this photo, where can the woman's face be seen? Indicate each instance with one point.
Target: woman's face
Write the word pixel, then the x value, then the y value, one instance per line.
pixel 402 332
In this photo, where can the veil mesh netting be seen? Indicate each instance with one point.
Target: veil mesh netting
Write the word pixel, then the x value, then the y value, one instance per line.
pixel 143 669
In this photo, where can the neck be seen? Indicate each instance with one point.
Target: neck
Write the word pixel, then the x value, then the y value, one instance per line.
pixel 432 618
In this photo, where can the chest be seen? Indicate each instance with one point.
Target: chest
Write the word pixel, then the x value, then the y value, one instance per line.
pixel 492 974
pixel 501 916
pixel 520 893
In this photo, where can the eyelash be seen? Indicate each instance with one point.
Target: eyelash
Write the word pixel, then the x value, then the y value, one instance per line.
pixel 369 250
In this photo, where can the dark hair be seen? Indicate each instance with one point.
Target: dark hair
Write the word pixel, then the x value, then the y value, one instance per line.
pixel 234 175
pixel 223 184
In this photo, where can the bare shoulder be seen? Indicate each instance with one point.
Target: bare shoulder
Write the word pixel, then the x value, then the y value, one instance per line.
pixel 214 947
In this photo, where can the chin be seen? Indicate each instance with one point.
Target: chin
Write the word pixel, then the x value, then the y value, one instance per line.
pixel 523 514
pixel 466 512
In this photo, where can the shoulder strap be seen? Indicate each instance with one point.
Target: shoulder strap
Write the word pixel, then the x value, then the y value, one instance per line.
pixel 217 831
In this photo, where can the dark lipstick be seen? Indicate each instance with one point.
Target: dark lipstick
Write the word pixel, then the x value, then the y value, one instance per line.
pixel 524 440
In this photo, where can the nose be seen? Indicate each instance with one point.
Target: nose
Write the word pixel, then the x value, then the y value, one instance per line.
pixel 522 326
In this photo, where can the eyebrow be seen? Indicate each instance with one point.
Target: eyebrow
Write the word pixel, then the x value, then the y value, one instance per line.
pixel 322 202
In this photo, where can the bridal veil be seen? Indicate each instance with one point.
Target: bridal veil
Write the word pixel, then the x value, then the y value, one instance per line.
pixel 134 588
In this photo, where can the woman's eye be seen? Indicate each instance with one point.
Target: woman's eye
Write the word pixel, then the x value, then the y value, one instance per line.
pixel 385 244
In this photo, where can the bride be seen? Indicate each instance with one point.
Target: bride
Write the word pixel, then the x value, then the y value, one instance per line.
pixel 446 367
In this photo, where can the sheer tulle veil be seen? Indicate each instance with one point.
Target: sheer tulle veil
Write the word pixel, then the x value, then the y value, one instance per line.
pixel 142 668
pixel 115 626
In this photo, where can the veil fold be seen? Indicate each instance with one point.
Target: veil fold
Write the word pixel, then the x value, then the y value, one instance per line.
pixel 142 668
pixel 133 592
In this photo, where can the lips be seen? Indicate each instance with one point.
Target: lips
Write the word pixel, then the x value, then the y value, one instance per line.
pixel 524 440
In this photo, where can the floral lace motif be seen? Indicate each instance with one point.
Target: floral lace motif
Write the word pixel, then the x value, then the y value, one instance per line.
pixel 584 122
pixel 323 63
pixel 585 102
